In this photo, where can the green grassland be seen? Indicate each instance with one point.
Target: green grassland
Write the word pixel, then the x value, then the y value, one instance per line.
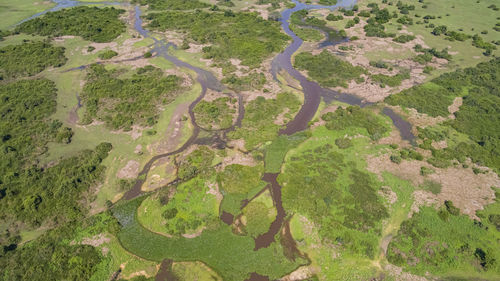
pixel 12 12
pixel 237 183
pixel 348 252
pixel 478 17
pixel 191 209
pixel 187 271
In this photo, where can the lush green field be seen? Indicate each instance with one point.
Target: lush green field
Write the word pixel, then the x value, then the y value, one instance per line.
pixel 258 123
pixel 191 209
pixel 12 12
pixel 116 101
pixel 237 183
pixel 216 114
pixel 446 243
pixel 220 249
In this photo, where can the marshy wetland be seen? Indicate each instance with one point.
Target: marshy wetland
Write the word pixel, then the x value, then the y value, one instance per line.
pixel 259 140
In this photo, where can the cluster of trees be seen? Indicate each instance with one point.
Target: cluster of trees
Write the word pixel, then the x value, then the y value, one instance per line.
pixel 404 38
pixel 254 80
pixel 122 103
pixel 391 81
pixel 172 4
pixel 237 183
pixel 354 116
pixel 478 117
pixel 244 36
pixel 198 162
pixel 327 69
pixel 29 58
pixel 32 194
pixel 25 106
pixel 51 257
pixel 217 114
pixel 106 55
pixel 258 123
pixel 426 55
pixel 91 23
pixel 444 241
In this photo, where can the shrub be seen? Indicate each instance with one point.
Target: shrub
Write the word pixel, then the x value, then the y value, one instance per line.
pixel 343 143
pixel 106 55
pixel 327 69
pixel 332 17
pixel 396 158
pixel 354 116
pixel 403 38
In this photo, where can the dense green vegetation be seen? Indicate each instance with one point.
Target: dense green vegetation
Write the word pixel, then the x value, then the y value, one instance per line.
pixel 91 23
pixel 245 36
pixel 478 117
pixel 106 55
pixel 216 114
pixel 327 69
pixel 428 98
pixel 51 257
pixel 237 183
pixel 39 194
pixel 391 81
pixel 172 4
pixel 341 199
pixel 446 243
pixel 258 123
pixel 187 209
pixel 122 103
pixel 404 38
pixel 276 151
pixel 24 127
pixel 354 116
pixel 220 249
pixel 258 218
pixel 29 59
pixel 198 162
pixel 251 81
pixel 308 27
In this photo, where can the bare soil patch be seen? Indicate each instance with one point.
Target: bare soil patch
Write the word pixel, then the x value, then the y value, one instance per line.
pixel 130 171
pixel 468 191
pixel 173 133
pixel 455 106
